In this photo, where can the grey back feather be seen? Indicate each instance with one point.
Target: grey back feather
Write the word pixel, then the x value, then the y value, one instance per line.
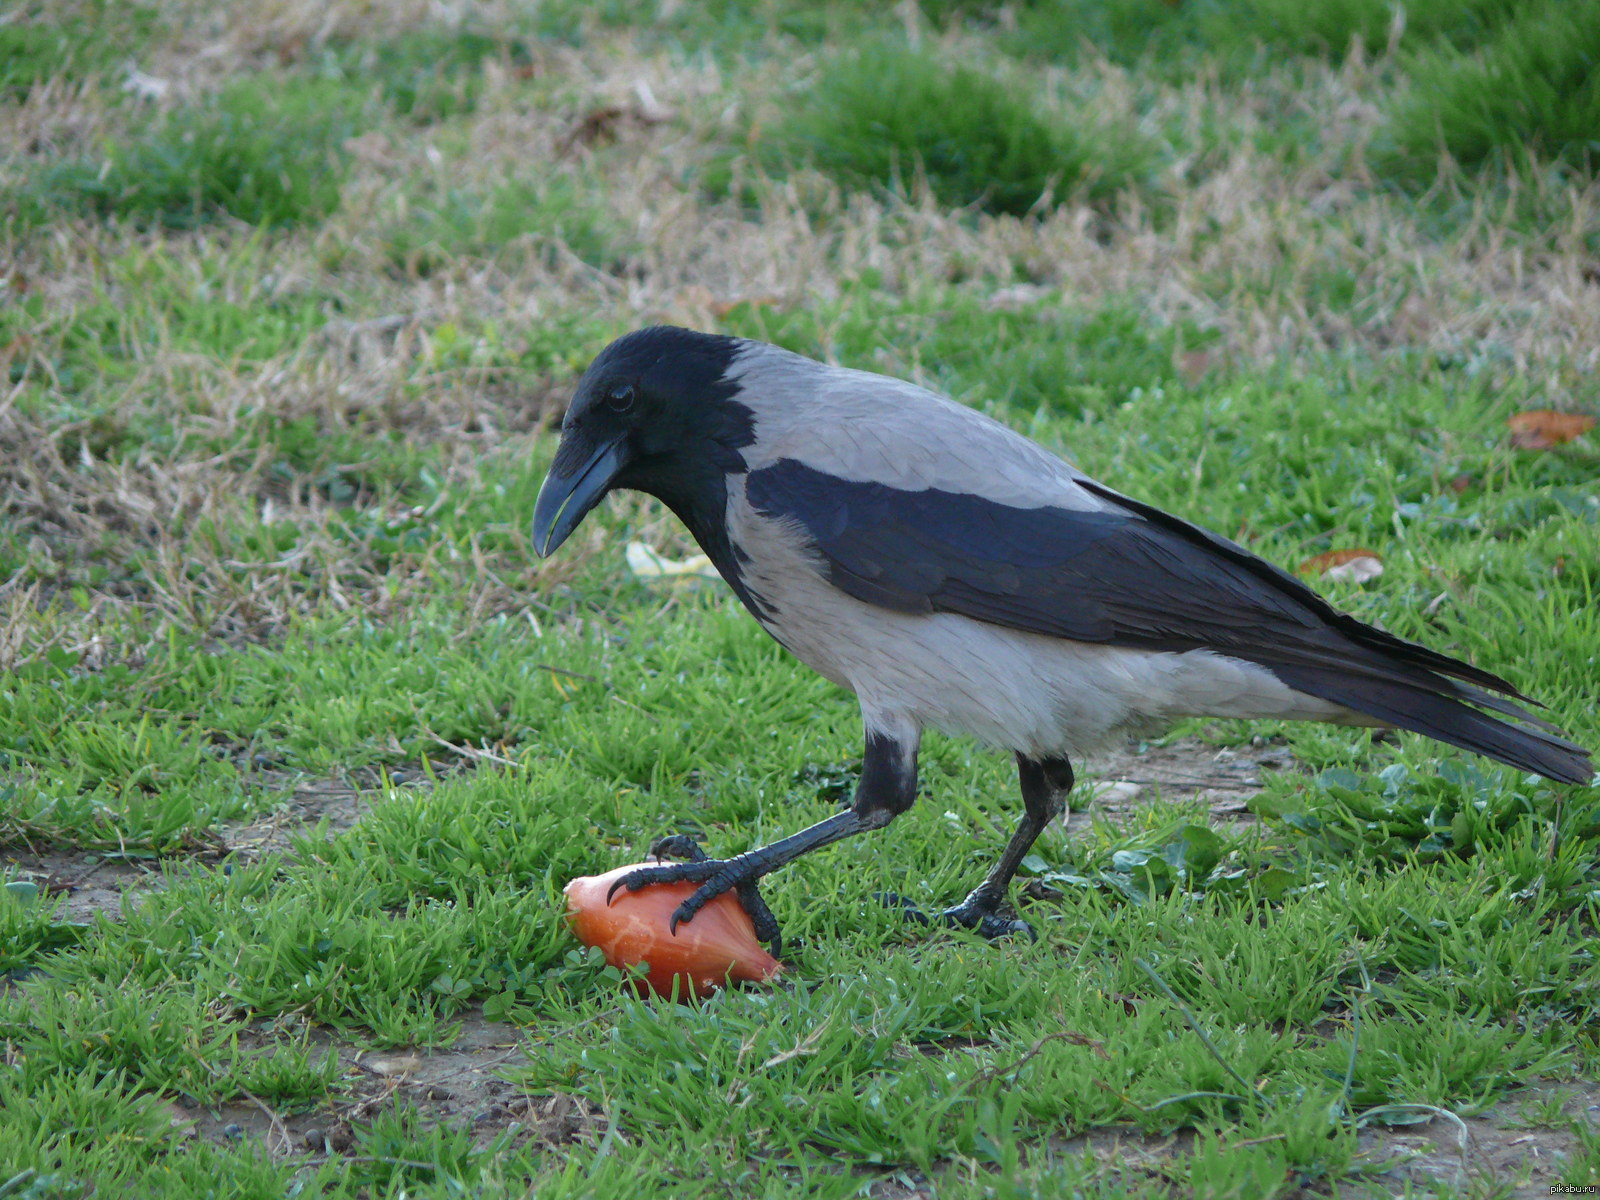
pixel 869 428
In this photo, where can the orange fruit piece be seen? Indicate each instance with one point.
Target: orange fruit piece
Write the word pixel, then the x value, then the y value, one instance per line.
pixel 718 945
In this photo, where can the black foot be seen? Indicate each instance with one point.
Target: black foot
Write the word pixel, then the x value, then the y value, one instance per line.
pixel 715 876
pixel 976 915
pixel 982 920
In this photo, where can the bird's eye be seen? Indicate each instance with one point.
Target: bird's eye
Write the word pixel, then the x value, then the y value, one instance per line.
pixel 620 398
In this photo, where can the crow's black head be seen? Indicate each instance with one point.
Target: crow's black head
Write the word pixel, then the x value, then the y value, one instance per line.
pixel 654 412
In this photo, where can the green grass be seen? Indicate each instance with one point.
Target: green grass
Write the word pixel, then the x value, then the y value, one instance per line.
pixel 1368 910
pixel 29 925
pixel 76 41
pixel 449 225
pixel 1238 38
pixel 299 742
pixel 1237 35
pixel 1530 94
pixel 1043 357
pixel 894 119
pixel 428 76
pixel 447 896
pixel 145 308
pixel 258 152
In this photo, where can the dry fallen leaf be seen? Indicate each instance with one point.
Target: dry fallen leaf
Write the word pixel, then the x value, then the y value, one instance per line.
pixel 601 124
pixel 1542 428
pixel 597 125
pixel 1358 565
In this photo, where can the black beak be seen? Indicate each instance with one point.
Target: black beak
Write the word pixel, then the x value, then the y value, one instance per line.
pixel 568 495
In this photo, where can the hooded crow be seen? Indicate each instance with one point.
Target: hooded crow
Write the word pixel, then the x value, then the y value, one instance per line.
pixel 954 574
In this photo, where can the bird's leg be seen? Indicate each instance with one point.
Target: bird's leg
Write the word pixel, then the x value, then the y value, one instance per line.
pixel 1045 784
pixel 888 786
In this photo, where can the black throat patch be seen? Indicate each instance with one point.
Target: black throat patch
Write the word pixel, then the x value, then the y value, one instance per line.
pixel 689 371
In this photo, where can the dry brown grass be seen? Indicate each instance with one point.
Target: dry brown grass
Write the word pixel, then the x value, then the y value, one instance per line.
pixel 1242 248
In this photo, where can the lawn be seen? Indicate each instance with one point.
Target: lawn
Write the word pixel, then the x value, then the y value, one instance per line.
pixel 299 739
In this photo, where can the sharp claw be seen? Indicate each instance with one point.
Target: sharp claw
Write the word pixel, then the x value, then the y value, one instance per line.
pixel 761 918
pixel 688 910
pixel 630 881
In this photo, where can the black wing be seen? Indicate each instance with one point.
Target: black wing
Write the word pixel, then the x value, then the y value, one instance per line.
pixel 1138 577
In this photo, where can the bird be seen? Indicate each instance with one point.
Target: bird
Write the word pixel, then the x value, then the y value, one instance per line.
pixel 954 574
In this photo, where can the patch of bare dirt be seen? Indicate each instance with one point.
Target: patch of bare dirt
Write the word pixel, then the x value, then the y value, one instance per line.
pixel 460 1084
pixel 339 802
pixel 1499 1154
pixel 91 883
pixel 1224 777
pixel 97 882
pixel 1517 1146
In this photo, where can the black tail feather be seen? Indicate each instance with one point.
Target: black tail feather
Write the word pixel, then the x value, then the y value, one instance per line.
pixel 1316 649
pixel 1443 710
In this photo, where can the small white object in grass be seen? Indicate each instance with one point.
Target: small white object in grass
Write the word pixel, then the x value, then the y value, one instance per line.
pixel 1357 570
pixel 645 563
pixel 1116 791
pixel 648 109
pixel 145 87
pixel 397 1064
pixel 1018 295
